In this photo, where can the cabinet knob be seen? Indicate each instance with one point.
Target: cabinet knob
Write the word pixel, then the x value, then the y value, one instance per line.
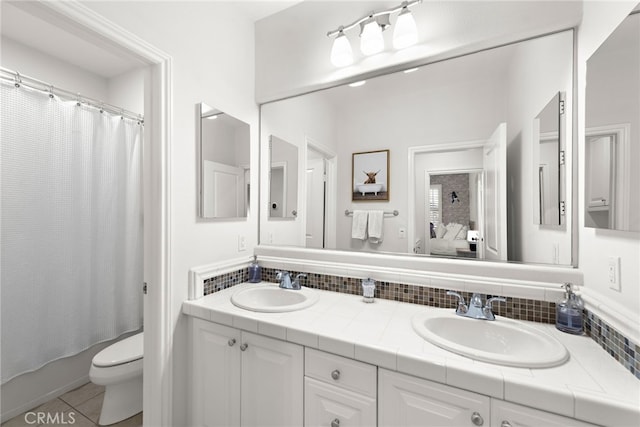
pixel 244 346
pixel 231 342
pixel 335 375
pixel 477 419
pixel 505 423
pixel 335 423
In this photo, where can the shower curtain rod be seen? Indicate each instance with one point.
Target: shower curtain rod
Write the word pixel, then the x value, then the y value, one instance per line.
pixel 33 83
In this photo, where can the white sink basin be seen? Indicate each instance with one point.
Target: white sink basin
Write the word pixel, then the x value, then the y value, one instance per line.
pixel 269 298
pixel 503 341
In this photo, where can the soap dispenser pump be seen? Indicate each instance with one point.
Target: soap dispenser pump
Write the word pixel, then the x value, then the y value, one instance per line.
pixel 569 311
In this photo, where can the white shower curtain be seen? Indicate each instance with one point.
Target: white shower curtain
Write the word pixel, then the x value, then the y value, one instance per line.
pixel 71 228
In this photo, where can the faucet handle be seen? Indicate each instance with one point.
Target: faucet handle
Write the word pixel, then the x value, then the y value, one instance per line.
pixel 281 274
pixel 492 299
pixel 296 282
pixel 455 294
pixel 462 306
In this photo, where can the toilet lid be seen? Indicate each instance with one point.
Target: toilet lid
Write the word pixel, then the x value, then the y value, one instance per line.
pixel 124 351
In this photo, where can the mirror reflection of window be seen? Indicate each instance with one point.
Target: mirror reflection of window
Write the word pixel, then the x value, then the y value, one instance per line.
pixel 612 145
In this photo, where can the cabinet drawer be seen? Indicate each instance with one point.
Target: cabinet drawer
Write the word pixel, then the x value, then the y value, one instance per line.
pixel 328 405
pixel 340 371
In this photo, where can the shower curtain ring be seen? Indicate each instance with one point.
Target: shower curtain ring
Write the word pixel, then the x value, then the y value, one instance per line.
pixel 101 107
pixel 122 114
pixel 18 79
pixel 78 100
pixel 51 91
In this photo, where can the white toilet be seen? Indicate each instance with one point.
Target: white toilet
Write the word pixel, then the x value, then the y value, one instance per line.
pixel 119 368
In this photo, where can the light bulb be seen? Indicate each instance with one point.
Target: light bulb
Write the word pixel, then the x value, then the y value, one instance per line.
pixel 341 53
pixel 405 32
pixel 371 41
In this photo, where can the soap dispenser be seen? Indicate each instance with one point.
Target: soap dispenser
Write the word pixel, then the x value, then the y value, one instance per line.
pixel 255 271
pixel 569 312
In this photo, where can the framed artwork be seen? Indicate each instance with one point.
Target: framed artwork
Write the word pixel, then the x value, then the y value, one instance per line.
pixel 370 176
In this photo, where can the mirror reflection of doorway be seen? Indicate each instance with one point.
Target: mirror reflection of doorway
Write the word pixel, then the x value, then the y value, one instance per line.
pixel 321 189
pixel 316 202
pixel 452 212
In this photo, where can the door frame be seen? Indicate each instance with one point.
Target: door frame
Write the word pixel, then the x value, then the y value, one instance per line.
pixel 331 188
pixel 622 177
pixel 158 312
pixel 411 179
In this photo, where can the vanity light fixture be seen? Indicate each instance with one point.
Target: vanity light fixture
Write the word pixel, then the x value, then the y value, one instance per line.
pixel 341 53
pixel 371 26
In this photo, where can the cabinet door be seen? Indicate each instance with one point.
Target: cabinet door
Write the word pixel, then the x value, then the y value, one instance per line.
pixel 506 414
pixel 328 405
pixel 404 400
pixel 215 375
pixel 272 382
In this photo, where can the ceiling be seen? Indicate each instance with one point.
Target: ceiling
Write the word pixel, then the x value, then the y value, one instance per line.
pixel 30 26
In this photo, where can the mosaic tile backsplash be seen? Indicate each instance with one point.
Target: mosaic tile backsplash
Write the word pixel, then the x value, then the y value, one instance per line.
pixel 615 344
pixel 625 351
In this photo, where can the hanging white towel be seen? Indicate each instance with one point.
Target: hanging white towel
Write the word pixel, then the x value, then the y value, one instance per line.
pixel 375 226
pixel 359 225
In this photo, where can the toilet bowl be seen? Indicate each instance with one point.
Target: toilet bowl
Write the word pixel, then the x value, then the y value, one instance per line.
pixel 119 369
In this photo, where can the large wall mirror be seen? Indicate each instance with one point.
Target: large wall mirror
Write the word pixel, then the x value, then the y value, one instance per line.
pixel 612 141
pixel 465 148
pixel 223 164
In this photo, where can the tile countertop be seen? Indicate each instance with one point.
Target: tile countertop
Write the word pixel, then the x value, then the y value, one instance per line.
pixel 591 386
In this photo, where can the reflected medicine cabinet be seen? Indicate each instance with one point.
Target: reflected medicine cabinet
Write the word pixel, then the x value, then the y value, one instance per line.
pixel 549 161
pixel 223 164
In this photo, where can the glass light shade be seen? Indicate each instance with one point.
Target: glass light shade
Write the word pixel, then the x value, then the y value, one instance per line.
pixel 341 53
pixel 405 32
pixel 371 41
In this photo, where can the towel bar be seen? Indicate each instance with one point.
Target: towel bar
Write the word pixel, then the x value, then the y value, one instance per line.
pixel 394 213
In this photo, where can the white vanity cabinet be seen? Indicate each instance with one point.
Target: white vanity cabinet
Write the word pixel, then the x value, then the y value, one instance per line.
pixel 243 379
pixel 339 392
pixel 405 401
pixel 507 414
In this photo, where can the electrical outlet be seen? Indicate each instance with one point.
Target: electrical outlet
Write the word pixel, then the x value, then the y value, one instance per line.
pixel 242 243
pixel 614 273
pixel 402 233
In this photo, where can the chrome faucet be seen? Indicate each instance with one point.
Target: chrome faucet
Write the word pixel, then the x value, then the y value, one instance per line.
pixel 285 280
pixel 475 309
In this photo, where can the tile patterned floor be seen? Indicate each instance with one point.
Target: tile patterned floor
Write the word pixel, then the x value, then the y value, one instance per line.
pixel 78 408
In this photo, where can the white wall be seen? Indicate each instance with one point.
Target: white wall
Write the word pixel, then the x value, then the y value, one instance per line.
pixel 127 91
pixel 39 65
pixel 212 46
pixel 596 245
pixel 288 64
